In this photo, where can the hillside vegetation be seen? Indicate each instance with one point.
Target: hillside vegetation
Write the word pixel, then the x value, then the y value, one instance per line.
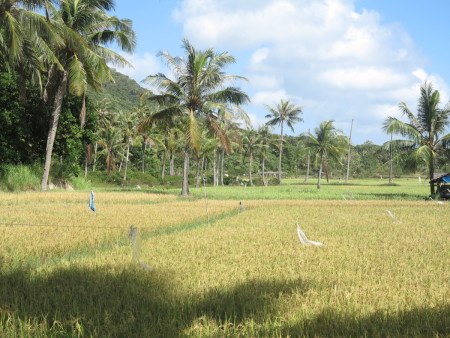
pixel 122 95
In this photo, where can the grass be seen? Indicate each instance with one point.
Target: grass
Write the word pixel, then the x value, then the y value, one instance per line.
pixel 238 274
pixel 19 178
pixel 292 189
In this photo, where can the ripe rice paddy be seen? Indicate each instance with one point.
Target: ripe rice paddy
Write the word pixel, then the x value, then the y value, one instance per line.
pixel 68 272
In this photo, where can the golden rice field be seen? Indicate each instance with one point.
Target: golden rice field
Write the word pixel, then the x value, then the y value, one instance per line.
pixel 68 272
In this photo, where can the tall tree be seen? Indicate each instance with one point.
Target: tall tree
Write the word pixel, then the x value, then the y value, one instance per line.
pixel 250 142
pixel 86 28
pixel 199 90
pixel 24 40
pixel 327 142
pixel 263 146
pixel 128 122
pixel 111 138
pixel 424 131
pixel 284 112
pixel 348 154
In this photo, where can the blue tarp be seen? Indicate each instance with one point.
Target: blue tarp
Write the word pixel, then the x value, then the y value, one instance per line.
pixel 446 179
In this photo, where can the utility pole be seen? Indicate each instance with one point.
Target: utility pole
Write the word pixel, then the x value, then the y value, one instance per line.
pixel 348 155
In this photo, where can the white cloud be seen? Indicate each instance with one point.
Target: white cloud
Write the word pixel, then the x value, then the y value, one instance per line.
pixel 256 120
pixel 269 97
pixel 385 110
pixel 266 82
pixel 342 63
pixel 362 79
pixel 143 66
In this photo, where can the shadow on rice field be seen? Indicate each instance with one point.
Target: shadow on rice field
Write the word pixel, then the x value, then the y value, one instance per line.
pixel 418 322
pixel 124 301
pixel 130 302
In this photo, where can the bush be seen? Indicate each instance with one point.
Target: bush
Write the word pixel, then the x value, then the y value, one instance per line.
pixel 174 181
pixel 80 183
pixel 99 178
pixel 19 178
pixel 139 178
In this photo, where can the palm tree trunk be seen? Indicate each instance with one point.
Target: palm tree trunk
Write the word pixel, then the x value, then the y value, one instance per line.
pixel 143 155
pixel 348 156
pixel 95 156
pixel 163 170
pixel 221 166
pixel 82 123
pixel 86 160
pixel 390 164
pixel 185 186
pixel 59 98
pixel 307 166
pixel 320 171
pixel 431 172
pixel 172 164
pixel 281 151
pixel 250 181
pixel 263 172
pixel 197 174
pixel 218 168
pixel 108 161
pixel 126 160
pixel 214 168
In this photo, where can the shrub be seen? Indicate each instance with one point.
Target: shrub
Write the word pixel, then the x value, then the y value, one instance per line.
pixel 19 178
pixel 138 178
pixel 80 183
pixel 174 181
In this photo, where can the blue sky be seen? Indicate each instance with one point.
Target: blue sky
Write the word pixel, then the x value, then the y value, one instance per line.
pixel 338 59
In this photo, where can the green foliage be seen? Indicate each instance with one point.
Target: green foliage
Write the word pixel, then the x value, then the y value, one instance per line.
pixel 115 178
pixel 80 183
pixel 19 177
pixel 174 181
pixel 122 95
pixel 295 189
pixel 137 178
pixel 424 132
pixel 23 124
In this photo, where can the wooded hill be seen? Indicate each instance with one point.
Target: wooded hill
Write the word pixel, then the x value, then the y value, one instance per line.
pixel 122 95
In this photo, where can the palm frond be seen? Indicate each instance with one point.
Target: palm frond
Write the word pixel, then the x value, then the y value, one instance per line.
pixel 193 132
pixel 77 76
pixel 393 125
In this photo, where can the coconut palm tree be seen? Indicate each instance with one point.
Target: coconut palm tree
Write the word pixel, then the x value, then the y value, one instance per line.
pixel 128 122
pixel 111 138
pixel 199 89
pixel 250 142
pixel 328 142
pixel 86 28
pixel 230 118
pixel 263 145
pixel 24 40
pixel 284 112
pixel 424 132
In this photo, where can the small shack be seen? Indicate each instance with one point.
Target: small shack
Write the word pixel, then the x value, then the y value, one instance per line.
pixel 442 182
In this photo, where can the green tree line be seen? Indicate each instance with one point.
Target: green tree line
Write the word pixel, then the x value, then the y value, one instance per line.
pixel 65 111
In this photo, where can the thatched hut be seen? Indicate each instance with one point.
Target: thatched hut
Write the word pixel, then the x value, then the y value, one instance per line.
pixel 442 182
